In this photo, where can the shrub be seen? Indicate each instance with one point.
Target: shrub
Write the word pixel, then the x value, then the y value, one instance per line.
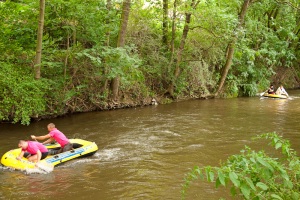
pixel 21 96
pixel 255 175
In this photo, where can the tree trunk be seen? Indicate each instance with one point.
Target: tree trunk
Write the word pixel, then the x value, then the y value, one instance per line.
pixel 38 57
pixel 121 42
pixel 231 45
pixel 179 53
pixel 173 29
pixel 165 23
pixel 181 47
pixel 107 43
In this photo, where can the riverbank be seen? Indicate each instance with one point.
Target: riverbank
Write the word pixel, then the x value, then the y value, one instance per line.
pixel 124 103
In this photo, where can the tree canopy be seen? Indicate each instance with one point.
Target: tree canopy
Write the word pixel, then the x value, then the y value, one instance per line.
pixel 171 49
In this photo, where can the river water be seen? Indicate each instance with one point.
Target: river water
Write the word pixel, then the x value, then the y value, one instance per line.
pixel 144 153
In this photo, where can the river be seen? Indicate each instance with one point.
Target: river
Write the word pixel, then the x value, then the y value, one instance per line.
pixel 144 153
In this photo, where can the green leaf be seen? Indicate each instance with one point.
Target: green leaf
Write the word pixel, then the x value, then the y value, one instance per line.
pixel 288 184
pixel 250 183
pixel 264 163
pixel 253 160
pixel 211 176
pixel 207 171
pixel 275 196
pixel 221 178
pixel 262 186
pixel 278 145
pixel 295 196
pixel 245 189
pixel 234 179
pixel 218 183
pixel 198 170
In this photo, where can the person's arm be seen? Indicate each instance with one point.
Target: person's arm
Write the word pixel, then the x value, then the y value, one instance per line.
pixel 44 137
pixel 20 155
pixel 48 141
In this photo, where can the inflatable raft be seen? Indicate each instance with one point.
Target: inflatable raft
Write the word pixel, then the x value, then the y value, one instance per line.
pixel 81 148
pixel 275 96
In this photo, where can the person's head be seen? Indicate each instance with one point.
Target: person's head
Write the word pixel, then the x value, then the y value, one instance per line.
pixel 51 126
pixel 271 86
pixel 23 144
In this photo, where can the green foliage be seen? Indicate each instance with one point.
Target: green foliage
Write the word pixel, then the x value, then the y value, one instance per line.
pixel 115 62
pixel 255 175
pixel 21 96
pixel 80 57
pixel 17 31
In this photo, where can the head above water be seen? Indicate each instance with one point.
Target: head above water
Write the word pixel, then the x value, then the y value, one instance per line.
pixel 50 126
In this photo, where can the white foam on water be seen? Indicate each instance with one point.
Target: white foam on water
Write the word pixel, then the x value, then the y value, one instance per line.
pixel 6 168
pixel 79 161
pixel 41 168
pixel 110 154
pixel 35 171
pixel 26 171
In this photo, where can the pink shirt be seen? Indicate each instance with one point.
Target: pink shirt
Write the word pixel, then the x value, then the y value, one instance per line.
pixel 33 147
pixel 59 137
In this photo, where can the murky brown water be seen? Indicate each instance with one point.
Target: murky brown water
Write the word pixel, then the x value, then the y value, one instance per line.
pixel 144 153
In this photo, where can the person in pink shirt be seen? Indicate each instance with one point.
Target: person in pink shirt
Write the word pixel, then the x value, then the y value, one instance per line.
pixel 35 151
pixel 55 135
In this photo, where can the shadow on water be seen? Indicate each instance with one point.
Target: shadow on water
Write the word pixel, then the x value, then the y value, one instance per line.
pixel 144 153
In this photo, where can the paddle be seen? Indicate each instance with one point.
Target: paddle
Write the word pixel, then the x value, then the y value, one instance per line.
pixel 44 166
pixel 261 94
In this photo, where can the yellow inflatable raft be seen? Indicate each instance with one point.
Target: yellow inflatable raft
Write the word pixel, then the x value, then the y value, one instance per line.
pixel 81 148
pixel 275 96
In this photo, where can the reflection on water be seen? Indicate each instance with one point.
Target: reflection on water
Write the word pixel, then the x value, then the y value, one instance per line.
pixel 144 153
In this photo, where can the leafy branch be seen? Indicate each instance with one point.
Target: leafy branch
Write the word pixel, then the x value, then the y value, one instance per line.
pixel 255 175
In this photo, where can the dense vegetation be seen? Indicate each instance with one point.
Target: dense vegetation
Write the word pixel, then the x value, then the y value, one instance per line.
pixel 105 54
pixel 255 174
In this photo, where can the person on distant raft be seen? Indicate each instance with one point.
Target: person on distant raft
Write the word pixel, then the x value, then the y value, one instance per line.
pixel 271 90
pixel 281 91
pixel 55 135
pixel 33 151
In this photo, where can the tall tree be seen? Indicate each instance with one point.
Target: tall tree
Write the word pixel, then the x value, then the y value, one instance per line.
pixel 165 22
pixel 107 42
pixel 231 45
pixel 38 57
pixel 121 42
pixel 174 16
pixel 185 32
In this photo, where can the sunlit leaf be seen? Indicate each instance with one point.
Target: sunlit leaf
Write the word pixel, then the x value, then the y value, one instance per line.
pixel 245 189
pixel 221 178
pixel 211 176
pixel 278 145
pixel 275 196
pixel 264 163
pixel 250 183
pixel 234 179
pixel 262 186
